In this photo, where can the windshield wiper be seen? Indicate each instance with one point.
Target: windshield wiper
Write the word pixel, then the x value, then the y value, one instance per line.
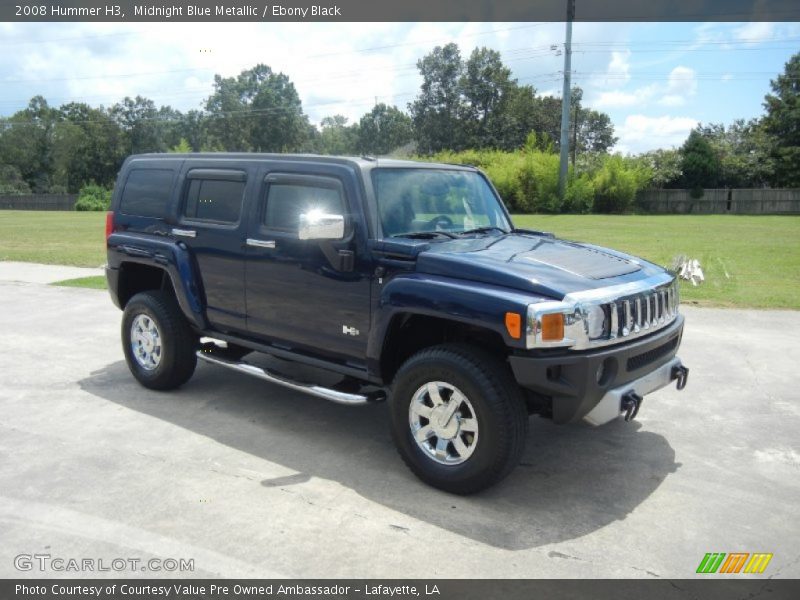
pixel 426 235
pixel 482 230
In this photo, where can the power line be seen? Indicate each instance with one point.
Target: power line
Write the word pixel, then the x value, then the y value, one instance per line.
pixel 358 50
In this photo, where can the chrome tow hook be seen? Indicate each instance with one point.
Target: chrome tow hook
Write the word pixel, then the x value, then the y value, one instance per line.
pixel 680 373
pixel 630 404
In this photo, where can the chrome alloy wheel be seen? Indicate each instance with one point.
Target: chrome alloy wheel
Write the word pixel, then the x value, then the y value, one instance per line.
pixel 146 342
pixel 443 423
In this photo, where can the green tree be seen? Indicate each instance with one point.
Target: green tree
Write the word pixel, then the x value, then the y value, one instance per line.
pixel 476 104
pixel 435 112
pixel 194 129
pixel 782 123
pixel 384 129
pixel 700 164
pixel 337 137
pixel 486 88
pixel 665 165
pixel 26 142
pixel 145 127
pixel 258 110
pixel 595 131
pixel 11 181
pixel 182 147
pixel 523 117
pixel 88 146
pixel 744 153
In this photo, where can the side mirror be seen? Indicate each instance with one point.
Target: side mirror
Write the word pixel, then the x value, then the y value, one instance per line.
pixel 317 225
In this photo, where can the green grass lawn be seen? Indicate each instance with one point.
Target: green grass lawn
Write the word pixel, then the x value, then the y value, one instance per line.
pixel 748 261
pixel 94 283
pixel 53 237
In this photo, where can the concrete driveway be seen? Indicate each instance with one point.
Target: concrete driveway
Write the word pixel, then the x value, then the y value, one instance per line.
pixel 249 479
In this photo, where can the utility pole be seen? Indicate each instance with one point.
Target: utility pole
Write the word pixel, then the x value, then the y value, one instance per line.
pixel 565 102
pixel 575 132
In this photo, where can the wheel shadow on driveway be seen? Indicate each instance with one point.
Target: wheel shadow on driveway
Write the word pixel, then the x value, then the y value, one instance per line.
pixel 572 480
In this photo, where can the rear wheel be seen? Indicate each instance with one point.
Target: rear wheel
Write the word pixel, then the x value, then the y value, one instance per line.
pixel 158 343
pixel 458 418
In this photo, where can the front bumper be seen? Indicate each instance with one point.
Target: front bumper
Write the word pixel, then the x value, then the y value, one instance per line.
pixel 629 396
pixel 571 380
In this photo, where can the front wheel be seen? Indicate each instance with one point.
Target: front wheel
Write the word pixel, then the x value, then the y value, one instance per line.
pixel 158 343
pixel 458 418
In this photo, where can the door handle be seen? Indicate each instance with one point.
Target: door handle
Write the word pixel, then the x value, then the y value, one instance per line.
pixel 261 243
pixel 190 233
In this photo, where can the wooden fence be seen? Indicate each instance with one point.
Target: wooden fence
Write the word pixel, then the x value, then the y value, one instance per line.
pixel 39 202
pixel 754 201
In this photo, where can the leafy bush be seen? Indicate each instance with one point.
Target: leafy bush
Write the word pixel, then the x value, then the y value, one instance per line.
pixel 615 186
pixel 579 197
pixel 527 179
pixel 505 177
pixel 93 197
pixel 11 181
pixel 539 182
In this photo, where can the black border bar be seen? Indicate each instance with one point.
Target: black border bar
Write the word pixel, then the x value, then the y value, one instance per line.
pixel 709 588
pixel 396 10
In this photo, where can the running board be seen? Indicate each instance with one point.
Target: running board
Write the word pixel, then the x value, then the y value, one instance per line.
pixel 307 388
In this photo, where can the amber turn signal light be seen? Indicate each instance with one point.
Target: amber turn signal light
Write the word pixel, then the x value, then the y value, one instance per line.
pixel 514 325
pixel 552 327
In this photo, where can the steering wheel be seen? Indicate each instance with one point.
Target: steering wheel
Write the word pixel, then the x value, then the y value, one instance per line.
pixel 442 221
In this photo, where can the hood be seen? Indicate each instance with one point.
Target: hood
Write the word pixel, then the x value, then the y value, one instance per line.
pixel 538 264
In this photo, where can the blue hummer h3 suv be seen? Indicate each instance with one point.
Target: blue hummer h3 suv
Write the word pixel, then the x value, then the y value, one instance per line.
pixel 407 279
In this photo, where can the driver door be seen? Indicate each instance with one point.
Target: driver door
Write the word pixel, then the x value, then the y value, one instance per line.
pixel 297 295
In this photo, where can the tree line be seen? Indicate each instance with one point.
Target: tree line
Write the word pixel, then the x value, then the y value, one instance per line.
pixel 463 105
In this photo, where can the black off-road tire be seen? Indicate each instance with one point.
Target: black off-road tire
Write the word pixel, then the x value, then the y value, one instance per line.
pixel 498 406
pixel 178 342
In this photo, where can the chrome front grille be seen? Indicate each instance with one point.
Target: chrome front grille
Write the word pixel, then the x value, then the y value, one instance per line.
pixel 626 310
pixel 642 312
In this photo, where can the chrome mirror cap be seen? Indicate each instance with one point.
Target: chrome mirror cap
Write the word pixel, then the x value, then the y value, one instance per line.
pixel 315 225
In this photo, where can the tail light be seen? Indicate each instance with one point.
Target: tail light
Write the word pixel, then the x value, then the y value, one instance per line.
pixel 109 224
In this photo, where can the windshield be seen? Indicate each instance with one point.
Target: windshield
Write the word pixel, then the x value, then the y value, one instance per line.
pixel 426 201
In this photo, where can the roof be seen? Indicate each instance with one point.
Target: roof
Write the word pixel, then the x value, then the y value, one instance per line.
pixel 364 162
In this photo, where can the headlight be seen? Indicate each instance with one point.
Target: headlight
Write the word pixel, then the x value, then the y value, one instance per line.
pixel 561 324
pixel 596 322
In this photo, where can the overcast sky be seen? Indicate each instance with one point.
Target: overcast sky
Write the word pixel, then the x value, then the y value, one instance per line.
pixel 655 80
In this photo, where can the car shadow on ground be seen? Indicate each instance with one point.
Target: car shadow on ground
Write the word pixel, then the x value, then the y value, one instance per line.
pixel 571 481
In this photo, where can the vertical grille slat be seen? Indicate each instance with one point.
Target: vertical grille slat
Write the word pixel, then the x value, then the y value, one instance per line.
pixel 614 320
pixel 626 318
pixel 637 322
pixel 653 310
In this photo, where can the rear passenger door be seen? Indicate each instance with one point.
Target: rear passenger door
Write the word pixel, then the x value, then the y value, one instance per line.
pixel 210 222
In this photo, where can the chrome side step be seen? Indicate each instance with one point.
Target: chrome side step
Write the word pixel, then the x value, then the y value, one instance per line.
pixel 313 390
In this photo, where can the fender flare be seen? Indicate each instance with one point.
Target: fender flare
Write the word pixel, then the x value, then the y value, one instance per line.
pixel 468 302
pixel 169 256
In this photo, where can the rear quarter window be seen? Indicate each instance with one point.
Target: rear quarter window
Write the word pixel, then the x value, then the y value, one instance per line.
pixel 147 192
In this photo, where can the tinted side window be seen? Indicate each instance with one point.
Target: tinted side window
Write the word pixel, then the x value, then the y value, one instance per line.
pixel 214 200
pixel 147 192
pixel 287 201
